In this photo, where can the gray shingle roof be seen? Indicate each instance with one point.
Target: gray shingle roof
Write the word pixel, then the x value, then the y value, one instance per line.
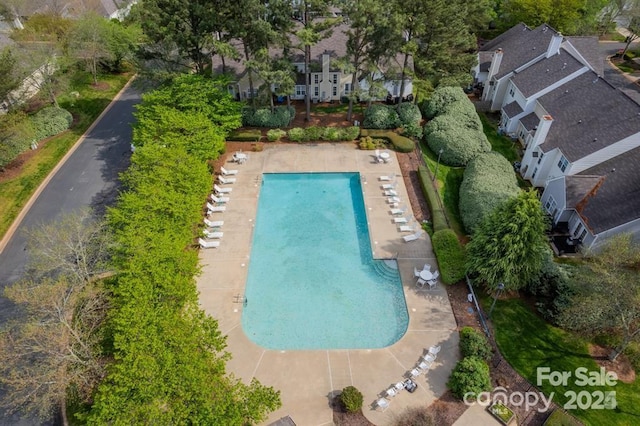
pixel 589 114
pixel 546 72
pixel 530 121
pixel 577 187
pixel 512 109
pixel 520 45
pixel 590 50
pixel 484 60
pixel 617 201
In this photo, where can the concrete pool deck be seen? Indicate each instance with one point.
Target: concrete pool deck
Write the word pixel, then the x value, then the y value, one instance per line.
pixel 307 379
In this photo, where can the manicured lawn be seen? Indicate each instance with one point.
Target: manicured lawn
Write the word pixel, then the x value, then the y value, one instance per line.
pixel 14 193
pixel 528 342
pixel 449 180
pixel 334 108
pixel 499 143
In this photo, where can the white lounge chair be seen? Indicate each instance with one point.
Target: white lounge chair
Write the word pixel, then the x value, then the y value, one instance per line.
pixel 213 223
pixel 382 403
pixel 406 228
pixel 215 209
pixel 224 180
pixel 398 211
pixel 208 244
pixel 389 186
pixel 213 234
pixel 226 172
pixel 392 200
pixel 412 237
pixel 391 392
pixel 221 190
pixel 219 200
pixel 433 351
pixel 390 193
pixel 415 372
pixel 385 178
pixel 427 361
pixel 400 220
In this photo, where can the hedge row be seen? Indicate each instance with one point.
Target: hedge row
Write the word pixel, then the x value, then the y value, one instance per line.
pixel 316 133
pixel 406 115
pixel 471 373
pixel 451 255
pixel 489 180
pixel 19 131
pixel 281 116
pixel 438 217
pixel 456 128
pixel 400 143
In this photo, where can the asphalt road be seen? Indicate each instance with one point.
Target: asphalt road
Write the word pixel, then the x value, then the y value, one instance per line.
pixel 89 177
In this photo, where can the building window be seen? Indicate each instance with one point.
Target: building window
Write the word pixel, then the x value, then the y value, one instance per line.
pixel 512 92
pixel 540 158
pixel 335 91
pixel 533 176
pixel 335 79
pixel 550 206
pixel 534 154
pixel 347 88
pixel 316 91
pixel 316 79
pixel 301 90
pixel 563 163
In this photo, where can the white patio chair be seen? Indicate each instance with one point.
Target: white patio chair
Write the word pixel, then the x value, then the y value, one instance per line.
pixel 406 228
pixel 213 223
pixel 214 235
pixel 426 267
pixel 382 404
pixel 226 172
pixel 421 282
pixel 393 200
pixel 412 237
pixel 398 211
pixel 390 193
pixel 432 283
pixel 377 155
pixel 385 178
pixel 389 186
pixel 208 244
pixel 391 392
pixel 220 190
pixel 428 360
pixel 219 200
pixel 415 373
pixel 433 350
pixel 400 220
pixel 215 209
pixel 224 180
pixel 416 272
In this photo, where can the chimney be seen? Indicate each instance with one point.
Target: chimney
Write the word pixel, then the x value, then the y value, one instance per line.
pixel 554 45
pixel 543 130
pixel 495 64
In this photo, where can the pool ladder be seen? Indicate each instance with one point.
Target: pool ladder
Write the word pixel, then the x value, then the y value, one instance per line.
pixel 238 298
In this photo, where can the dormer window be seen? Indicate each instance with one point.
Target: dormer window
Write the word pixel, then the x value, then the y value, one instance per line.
pixel 563 163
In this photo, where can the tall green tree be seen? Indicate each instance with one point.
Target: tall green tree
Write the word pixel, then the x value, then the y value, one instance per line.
pixel 510 245
pixel 89 40
pixel 607 293
pixel 9 77
pixel 567 16
pixel 188 26
pixel 315 24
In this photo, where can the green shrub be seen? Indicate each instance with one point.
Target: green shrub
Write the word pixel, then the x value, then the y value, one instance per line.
pixel 263 117
pixel 50 121
pixel 412 130
pixel 438 216
pixel 245 136
pixel 350 133
pixel 296 134
pixel 332 134
pixel 408 113
pixel 451 255
pixel 474 344
pixel 470 375
pixel 489 180
pixel 441 98
pixel 313 133
pixel 459 143
pixel 552 290
pixel 379 116
pixel 400 143
pixel 275 135
pixel 16 135
pixel 369 143
pixel 352 399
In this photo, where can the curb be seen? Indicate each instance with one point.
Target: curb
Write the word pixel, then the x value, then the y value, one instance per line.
pixel 25 209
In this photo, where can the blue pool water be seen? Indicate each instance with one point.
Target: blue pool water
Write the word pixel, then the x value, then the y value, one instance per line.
pixel 312 281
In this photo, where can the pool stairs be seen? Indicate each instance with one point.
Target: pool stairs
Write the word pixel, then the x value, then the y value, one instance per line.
pixel 387 269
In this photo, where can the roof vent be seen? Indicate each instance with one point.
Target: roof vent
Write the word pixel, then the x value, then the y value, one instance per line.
pixel 595 139
pixel 534 48
pixel 564 65
pixel 579 121
pixel 566 91
pixel 547 69
pixel 544 29
pixel 596 80
pixel 613 170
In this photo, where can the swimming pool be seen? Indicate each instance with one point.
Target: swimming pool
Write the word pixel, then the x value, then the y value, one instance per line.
pixel 312 281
